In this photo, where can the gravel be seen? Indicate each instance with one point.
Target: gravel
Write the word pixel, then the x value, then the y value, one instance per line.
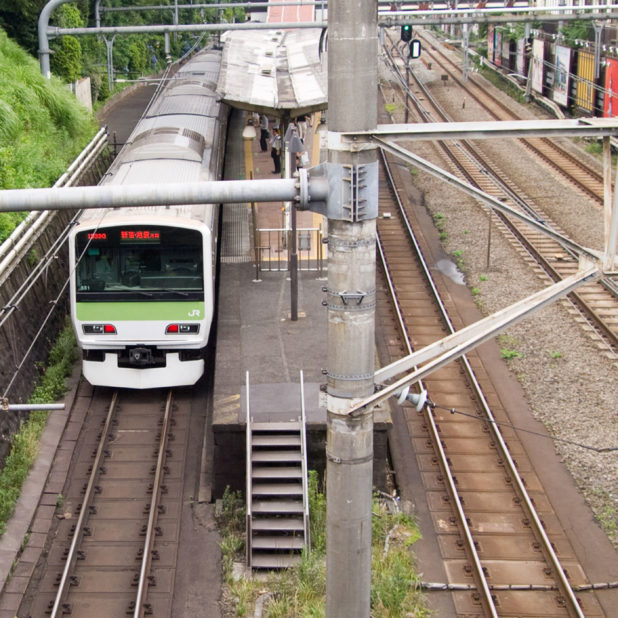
pixel 569 379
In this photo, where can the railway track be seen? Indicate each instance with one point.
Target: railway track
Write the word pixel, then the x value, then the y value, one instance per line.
pixel 115 549
pixel 595 306
pixel 504 550
pixel 576 172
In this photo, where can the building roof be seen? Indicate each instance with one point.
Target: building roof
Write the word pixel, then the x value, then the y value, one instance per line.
pixel 276 72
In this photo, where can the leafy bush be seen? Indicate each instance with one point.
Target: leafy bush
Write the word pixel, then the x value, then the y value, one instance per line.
pixel 25 444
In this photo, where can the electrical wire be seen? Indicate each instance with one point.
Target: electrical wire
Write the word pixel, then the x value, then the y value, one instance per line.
pixel 606 449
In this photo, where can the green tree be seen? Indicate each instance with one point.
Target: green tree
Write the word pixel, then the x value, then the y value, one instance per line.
pixel 66 60
pixel 576 30
pixel 19 18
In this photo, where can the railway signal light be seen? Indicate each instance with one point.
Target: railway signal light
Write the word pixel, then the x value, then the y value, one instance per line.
pixel 415 48
pixel 406 33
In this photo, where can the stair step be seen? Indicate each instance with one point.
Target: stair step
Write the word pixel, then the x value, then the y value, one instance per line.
pixel 275 440
pixel 277 506
pixel 277 489
pixel 277 542
pixel 277 472
pixel 281 524
pixel 274 561
pixel 289 426
pixel 264 456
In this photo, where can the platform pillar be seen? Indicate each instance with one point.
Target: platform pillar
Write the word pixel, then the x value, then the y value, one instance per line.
pixel 352 106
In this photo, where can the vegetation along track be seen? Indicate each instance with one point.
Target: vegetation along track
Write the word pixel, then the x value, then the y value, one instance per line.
pixel 115 548
pixel 595 305
pixel 504 550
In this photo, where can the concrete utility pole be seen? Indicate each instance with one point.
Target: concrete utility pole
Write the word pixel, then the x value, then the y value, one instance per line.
pixel 352 106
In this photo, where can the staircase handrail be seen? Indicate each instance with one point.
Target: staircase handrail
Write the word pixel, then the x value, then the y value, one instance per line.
pixel 305 473
pixel 248 471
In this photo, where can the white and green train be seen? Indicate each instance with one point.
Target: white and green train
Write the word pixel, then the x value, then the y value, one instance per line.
pixel 143 279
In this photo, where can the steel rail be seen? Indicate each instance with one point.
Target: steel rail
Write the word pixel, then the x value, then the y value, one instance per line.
pixel 602 329
pixel 142 588
pixel 529 508
pixel 530 143
pixel 59 607
pixel 483 584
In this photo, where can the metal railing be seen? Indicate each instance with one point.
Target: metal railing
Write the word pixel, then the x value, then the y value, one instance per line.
pixel 305 471
pixel 273 246
pixel 248 474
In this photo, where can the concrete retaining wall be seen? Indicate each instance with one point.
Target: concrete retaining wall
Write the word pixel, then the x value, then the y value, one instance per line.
pixel 19 331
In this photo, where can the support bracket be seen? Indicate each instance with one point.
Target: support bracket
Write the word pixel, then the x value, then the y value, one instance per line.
pixel 352 191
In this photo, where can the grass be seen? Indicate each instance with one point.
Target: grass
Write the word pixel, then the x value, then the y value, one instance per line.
pixel 508 347
pixel 42 126
pixel 391 107
pixel 25 443
pixel 300 592
pixel 439 221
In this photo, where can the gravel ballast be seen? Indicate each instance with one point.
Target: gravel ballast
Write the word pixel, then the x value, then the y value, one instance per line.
pixel 569 378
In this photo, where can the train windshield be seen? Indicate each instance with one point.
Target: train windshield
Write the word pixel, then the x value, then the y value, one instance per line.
pixel 139 263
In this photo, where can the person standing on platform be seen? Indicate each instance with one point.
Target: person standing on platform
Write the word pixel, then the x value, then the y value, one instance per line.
pixel 275 151
pixel 264 132
pixel 301 123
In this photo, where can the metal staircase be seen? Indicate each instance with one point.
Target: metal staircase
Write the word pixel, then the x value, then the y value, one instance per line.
pixel 277 500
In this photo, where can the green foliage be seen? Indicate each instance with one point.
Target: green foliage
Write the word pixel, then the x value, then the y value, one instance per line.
pixel 317 509
pixel 301 591
pixel 26 443
pixel 576 30
pixel 509 354
pixel 594 147
pixel 9 220
pixel 66 62
pixel 42 126
pixel 138 59
pixel 391 107
pixel 440 222
pixel 507 347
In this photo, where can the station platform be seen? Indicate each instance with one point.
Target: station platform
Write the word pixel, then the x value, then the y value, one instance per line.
pixel 255 332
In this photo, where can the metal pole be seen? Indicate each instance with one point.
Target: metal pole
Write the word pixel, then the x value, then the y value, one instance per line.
pixel 352 79
pixel 172 194
pixel 109 45
pixel 44 50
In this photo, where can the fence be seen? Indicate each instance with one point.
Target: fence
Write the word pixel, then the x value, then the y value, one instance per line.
pixel 272 249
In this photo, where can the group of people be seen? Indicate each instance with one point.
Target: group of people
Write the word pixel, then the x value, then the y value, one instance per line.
pixel 274 140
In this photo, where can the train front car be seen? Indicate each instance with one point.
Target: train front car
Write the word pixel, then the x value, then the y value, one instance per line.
pixel 142 279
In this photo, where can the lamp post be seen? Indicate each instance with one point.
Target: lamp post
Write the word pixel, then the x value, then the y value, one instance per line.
pixel 248 135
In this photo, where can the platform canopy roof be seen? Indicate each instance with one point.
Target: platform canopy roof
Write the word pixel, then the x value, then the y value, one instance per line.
pixel 275 72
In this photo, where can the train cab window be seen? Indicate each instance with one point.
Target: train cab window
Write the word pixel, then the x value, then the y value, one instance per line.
pixel 123 263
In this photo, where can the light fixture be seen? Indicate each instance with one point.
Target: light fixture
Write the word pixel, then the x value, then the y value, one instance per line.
pixel 322 128
pixel 249 131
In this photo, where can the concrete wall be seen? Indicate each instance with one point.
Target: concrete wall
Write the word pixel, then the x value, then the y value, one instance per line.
pixel 19 331
pixel 82 91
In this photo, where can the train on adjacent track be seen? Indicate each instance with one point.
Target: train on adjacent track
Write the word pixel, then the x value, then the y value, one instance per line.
pixel 142 284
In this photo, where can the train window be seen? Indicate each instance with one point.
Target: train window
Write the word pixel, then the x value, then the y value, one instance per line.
pixel 124 263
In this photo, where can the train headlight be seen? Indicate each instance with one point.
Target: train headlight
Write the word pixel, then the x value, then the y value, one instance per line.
pixel 175 329
pixel 99 329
